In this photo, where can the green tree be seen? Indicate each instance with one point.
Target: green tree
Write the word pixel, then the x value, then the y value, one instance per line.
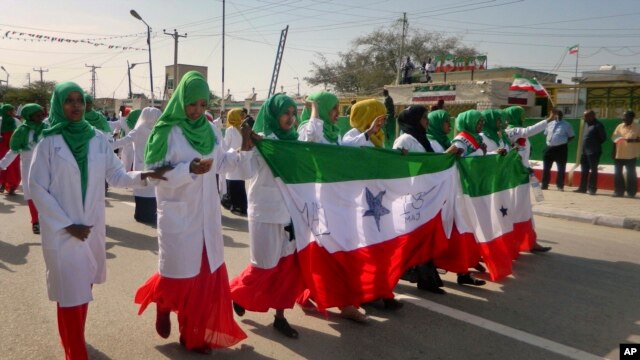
pixel 373 59
pixel 36 92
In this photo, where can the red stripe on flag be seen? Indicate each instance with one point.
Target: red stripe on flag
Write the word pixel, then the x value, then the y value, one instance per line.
pixel 526 233
pixel 461 254
pixel 366 274
pixel 498 255
pixel 517 101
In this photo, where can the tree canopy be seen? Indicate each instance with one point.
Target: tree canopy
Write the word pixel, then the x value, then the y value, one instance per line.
pixel 374 58
pixel 36 92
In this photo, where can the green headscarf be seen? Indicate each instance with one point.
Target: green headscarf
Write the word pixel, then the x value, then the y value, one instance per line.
pixel 132 119
pixel 514 116
pixel 326 101
pixel 20 138
pixel 199 134
pixel 468 121
pixel 8 123
pixel 95 118
pixel 76 134
pixel 434 130
pixel 268 119
pixel 490 126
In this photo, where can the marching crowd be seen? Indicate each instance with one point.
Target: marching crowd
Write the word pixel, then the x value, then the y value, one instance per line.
pixel 177 162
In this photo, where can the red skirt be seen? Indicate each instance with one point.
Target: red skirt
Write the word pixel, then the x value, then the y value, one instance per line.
pixel 257 289
pixel 9 178
pixel 202 303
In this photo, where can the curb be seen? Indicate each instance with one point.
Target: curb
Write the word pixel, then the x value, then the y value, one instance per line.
pixel 591 218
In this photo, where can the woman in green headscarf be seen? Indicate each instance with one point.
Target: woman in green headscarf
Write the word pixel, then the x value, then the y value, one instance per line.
pixel 493 135
pixel 468 140
pixel 68 171
pixel 518 134
pixel 9 178
pixel 22 143
pixel 438 132
pixel 273 279
pixel 192 279
pixel 318 119
pixel 95 118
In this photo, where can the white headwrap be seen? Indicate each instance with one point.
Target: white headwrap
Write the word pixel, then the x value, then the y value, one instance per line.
pixel 148 118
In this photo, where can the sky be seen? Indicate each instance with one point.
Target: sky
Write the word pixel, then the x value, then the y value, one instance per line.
pixel 534 34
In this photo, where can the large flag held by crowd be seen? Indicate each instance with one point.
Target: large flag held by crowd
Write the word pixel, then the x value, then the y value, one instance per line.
pixel 363 215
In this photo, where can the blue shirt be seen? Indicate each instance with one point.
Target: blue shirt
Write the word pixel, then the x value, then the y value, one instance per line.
pixel 558 133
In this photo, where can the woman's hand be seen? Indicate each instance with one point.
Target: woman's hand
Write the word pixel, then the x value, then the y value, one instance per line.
pixel 248 137
pixel 80 232
pixel 200 166
pixel 157 173
pixel 502 151
pixel 376 125
pixel 403 151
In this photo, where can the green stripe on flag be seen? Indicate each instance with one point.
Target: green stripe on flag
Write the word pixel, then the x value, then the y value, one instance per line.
pixel 484 175
pixel 297 162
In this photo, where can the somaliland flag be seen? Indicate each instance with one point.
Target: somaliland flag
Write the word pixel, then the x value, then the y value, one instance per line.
pixel 362 216
pixel 496 206
pixel 525 84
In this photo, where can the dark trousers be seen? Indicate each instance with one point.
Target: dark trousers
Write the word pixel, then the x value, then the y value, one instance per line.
pixel 146 210
pixel 557 154
pixel 632 178
pixel 237 195
pixel 589 172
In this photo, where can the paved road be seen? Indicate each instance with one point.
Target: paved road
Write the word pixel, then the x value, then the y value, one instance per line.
pixel 579 301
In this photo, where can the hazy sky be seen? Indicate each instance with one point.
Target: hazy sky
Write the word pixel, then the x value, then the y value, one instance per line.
pixel 526 33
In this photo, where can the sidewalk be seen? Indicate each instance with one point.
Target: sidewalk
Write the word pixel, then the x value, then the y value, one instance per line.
pixel 599 209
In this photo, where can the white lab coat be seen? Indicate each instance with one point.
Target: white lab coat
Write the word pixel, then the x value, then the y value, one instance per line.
pixel 137 139
pixel 126 151
pixel 74 265
pixel 356 138
pixel 517 133
pixel 492 147
pixel 233 140
pixel 408 142
pixel 313 131
pixel 25 162
pixel 267 214
pixel 189 214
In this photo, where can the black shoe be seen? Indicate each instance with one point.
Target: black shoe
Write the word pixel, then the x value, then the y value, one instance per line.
pixel 163 323
pixel 467 279
pixel 580 191
pixel 431 288
pixel 1 189
pixel 616 195
pixel 239 310
pixel 36 228
pixel 392 304
pixel 544 187
pixel 480 268
pixel 283 327
pixel 11 192
pixel 592 192
pixel 541 249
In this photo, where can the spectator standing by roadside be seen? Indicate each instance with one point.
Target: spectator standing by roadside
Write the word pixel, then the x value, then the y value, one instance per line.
pixel 390 126
pixel 559 133
pixel 592 139
pixel 626 141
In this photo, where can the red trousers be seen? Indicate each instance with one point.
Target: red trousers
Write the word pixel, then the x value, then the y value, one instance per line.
pixel 33 211
pixel 9 178
pixel 71 322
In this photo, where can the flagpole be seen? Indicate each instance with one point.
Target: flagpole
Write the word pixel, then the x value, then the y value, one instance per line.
pixel 577 90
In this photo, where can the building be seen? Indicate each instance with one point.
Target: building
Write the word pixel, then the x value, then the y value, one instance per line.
pixel 170 84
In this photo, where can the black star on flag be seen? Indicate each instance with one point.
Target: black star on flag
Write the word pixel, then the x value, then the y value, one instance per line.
pixel 503 210
pixel 375 206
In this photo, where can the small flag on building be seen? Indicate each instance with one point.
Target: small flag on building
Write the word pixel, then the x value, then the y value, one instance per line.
pixel 525 84
pixel 573 49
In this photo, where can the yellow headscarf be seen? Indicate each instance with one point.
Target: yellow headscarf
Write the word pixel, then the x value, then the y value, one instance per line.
pixel 234 118
pixel 362 115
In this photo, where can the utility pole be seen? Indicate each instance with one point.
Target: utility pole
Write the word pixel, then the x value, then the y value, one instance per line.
pixel 41 70
pixel 29 79
pixel 404 34
pixel 175 37
pixel 93 78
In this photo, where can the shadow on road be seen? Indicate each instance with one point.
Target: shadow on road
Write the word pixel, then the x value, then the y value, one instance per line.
pixel 14 254
pixel 132 240
pixel 175 351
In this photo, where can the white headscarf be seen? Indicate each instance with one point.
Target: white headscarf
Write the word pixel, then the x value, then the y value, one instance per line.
pixel 148 118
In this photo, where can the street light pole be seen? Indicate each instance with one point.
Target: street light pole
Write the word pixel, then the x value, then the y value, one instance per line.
pixel 137 16
pixel 7 81
pixel 298 79
pixel 129 67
